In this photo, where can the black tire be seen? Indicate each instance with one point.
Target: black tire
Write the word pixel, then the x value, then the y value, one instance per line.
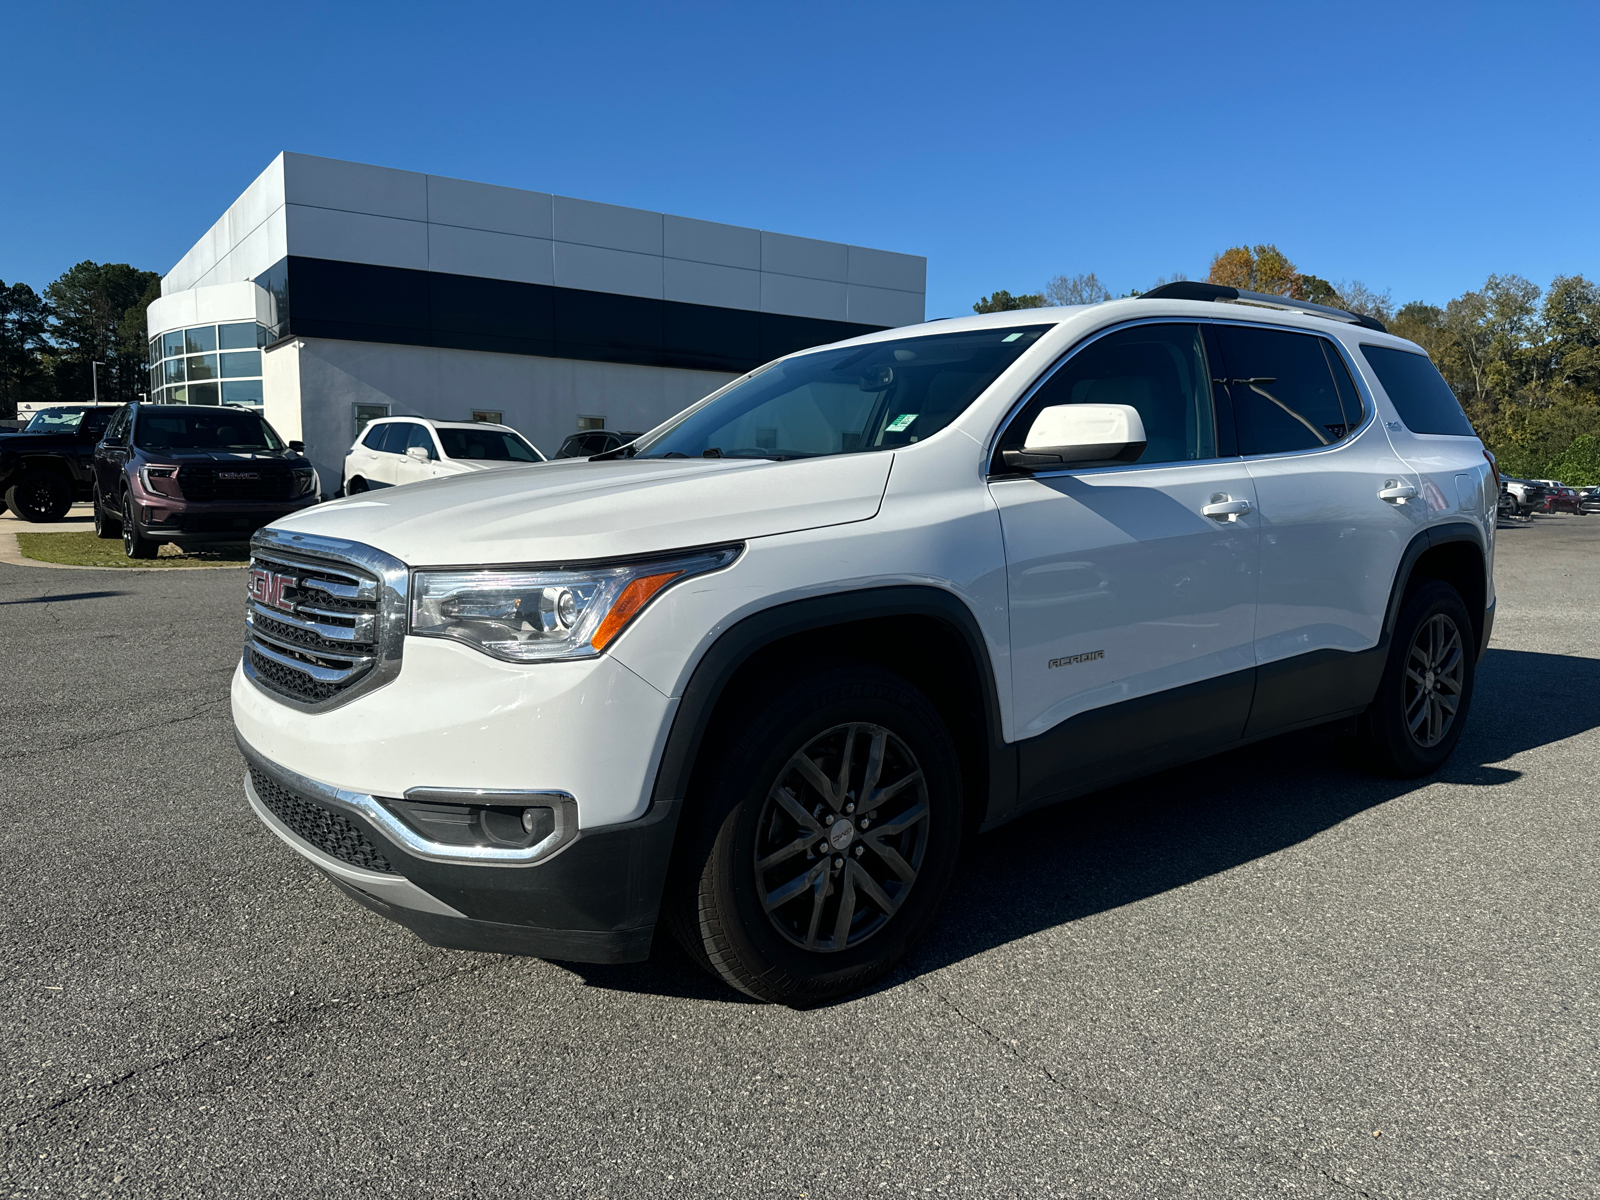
pixel 40 496
pixel 1410 730
pixel 134 543
pixel 105 525
pixel 715 906
pixel 355 487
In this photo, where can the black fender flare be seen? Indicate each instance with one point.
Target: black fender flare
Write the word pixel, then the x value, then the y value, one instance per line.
pixel 1423 541
pixel 733 648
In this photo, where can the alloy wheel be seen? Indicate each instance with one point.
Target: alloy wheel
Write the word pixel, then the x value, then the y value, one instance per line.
pixel 1435 671
pixel 841 837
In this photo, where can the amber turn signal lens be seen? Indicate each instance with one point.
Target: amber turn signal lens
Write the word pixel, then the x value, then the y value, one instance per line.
pixel 633 598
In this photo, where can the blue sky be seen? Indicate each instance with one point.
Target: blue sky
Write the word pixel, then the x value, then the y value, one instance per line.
pixel 1417 147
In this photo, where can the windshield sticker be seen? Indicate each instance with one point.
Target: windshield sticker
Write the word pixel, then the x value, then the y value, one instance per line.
pixel 901 423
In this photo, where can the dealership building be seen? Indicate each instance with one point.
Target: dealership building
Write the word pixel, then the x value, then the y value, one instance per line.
pixel 332 292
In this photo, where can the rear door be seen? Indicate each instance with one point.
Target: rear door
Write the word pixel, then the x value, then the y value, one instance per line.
pixel 1337 509
pixel 1120 585
pixel 387 455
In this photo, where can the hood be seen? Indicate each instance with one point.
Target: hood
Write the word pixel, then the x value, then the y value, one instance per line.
pixel 574 509
pixel 222 456
pixel 463 466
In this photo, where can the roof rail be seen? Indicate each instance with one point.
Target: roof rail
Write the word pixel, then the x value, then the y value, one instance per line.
pixel 1185 289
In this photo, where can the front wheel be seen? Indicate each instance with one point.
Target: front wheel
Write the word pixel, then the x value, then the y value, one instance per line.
pixel 40 495
pixel 827 829
pixel 1415 721
pixel 134 543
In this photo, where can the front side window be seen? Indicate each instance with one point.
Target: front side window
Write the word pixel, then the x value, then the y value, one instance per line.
pixel 194 428
pixel 847 401
pixel 396 435
pixel 1286 396
pixel 490 445
pixel 1419 393
pixel 1159 369
pixel 421 439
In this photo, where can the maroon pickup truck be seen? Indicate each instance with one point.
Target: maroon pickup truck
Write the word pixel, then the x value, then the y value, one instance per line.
pixel 192 474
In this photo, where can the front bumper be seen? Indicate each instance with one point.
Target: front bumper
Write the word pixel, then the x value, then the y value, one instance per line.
pixel 592 898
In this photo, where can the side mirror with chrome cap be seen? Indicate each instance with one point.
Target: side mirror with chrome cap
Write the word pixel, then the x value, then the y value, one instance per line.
pixel 1080 435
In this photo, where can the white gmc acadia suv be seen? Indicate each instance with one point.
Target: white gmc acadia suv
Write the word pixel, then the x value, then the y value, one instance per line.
pixel 762 672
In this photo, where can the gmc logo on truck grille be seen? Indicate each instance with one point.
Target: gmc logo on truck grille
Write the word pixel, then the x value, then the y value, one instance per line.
pixel 266 587
pixel 238 474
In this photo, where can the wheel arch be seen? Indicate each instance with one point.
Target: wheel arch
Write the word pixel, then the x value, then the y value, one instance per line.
pixel 1454 553
pixel 924 633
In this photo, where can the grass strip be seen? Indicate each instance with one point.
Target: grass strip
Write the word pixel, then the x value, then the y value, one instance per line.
pixel 87 550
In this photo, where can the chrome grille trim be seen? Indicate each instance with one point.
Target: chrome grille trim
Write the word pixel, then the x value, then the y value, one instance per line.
pixel 340 642
pixel 361 629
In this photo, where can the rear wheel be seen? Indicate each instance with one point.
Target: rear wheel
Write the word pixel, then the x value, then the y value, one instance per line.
pixel 1415 721
pixel 40 496
pixel 134 543
pixel 355 487
pixel 105 525
pixel 828 826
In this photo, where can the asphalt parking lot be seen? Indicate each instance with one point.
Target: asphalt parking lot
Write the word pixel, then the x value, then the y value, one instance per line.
pixel 1263 975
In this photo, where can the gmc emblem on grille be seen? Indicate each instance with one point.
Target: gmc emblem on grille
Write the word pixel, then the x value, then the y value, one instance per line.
pixel 266 587
pixel 238 474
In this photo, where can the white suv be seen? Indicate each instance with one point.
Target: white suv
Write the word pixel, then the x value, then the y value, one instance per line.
pixel 761 673
pixel 396 450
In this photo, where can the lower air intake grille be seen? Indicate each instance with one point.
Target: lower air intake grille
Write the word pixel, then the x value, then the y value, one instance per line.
pixel 331 832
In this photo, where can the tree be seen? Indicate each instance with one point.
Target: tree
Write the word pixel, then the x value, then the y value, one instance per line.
pixel 94 323
pixel 1264 269
pixel 1006 302
pixel 24 330
pixel 1067 290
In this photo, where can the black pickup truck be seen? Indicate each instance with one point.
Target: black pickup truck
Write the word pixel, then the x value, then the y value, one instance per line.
pixel 48 465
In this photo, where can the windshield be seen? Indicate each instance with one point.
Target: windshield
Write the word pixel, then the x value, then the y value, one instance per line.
pixel 203 428
pixel 491 445
pixel 847 401
pixel 56 420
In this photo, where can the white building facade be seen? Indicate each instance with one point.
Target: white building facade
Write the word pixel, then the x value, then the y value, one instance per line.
pixel 332 292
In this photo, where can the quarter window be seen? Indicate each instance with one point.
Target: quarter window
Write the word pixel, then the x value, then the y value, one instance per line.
pixel 374 437
pixel 1419 393
pixel 1158 369
pixel 1285 396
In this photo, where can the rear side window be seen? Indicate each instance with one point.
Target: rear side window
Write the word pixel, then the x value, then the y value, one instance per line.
pixel 1158 369
pixel 1285 394
pixel 1420 395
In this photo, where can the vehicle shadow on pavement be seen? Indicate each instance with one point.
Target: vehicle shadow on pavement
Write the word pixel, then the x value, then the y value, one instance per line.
pixel 1140 839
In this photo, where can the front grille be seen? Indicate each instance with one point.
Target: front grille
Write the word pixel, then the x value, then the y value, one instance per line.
pixel 331 832
pixel 314 626
pixel 266 480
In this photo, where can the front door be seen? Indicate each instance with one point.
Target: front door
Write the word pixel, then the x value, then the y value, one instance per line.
pixel 410 469
pixel 1122 587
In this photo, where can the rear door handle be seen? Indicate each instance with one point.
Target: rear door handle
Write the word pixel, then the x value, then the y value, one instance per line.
pixel 1396 492
pixel 1223 508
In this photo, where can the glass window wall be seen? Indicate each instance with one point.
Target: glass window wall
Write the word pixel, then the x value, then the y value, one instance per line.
pixel 186 365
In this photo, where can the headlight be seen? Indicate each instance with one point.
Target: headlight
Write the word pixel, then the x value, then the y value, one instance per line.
pixel 538 615
pixel 305 479
pixel 159 480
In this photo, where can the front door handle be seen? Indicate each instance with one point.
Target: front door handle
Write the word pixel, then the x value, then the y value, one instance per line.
pixel 1225 508
pixel 1396 492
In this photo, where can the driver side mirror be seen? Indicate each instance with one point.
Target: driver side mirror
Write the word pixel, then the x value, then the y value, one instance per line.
pixel 298 447
pixel 418 453
pixel 1080 435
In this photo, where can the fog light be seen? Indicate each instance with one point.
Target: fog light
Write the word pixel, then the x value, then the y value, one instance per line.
pixel 477 824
